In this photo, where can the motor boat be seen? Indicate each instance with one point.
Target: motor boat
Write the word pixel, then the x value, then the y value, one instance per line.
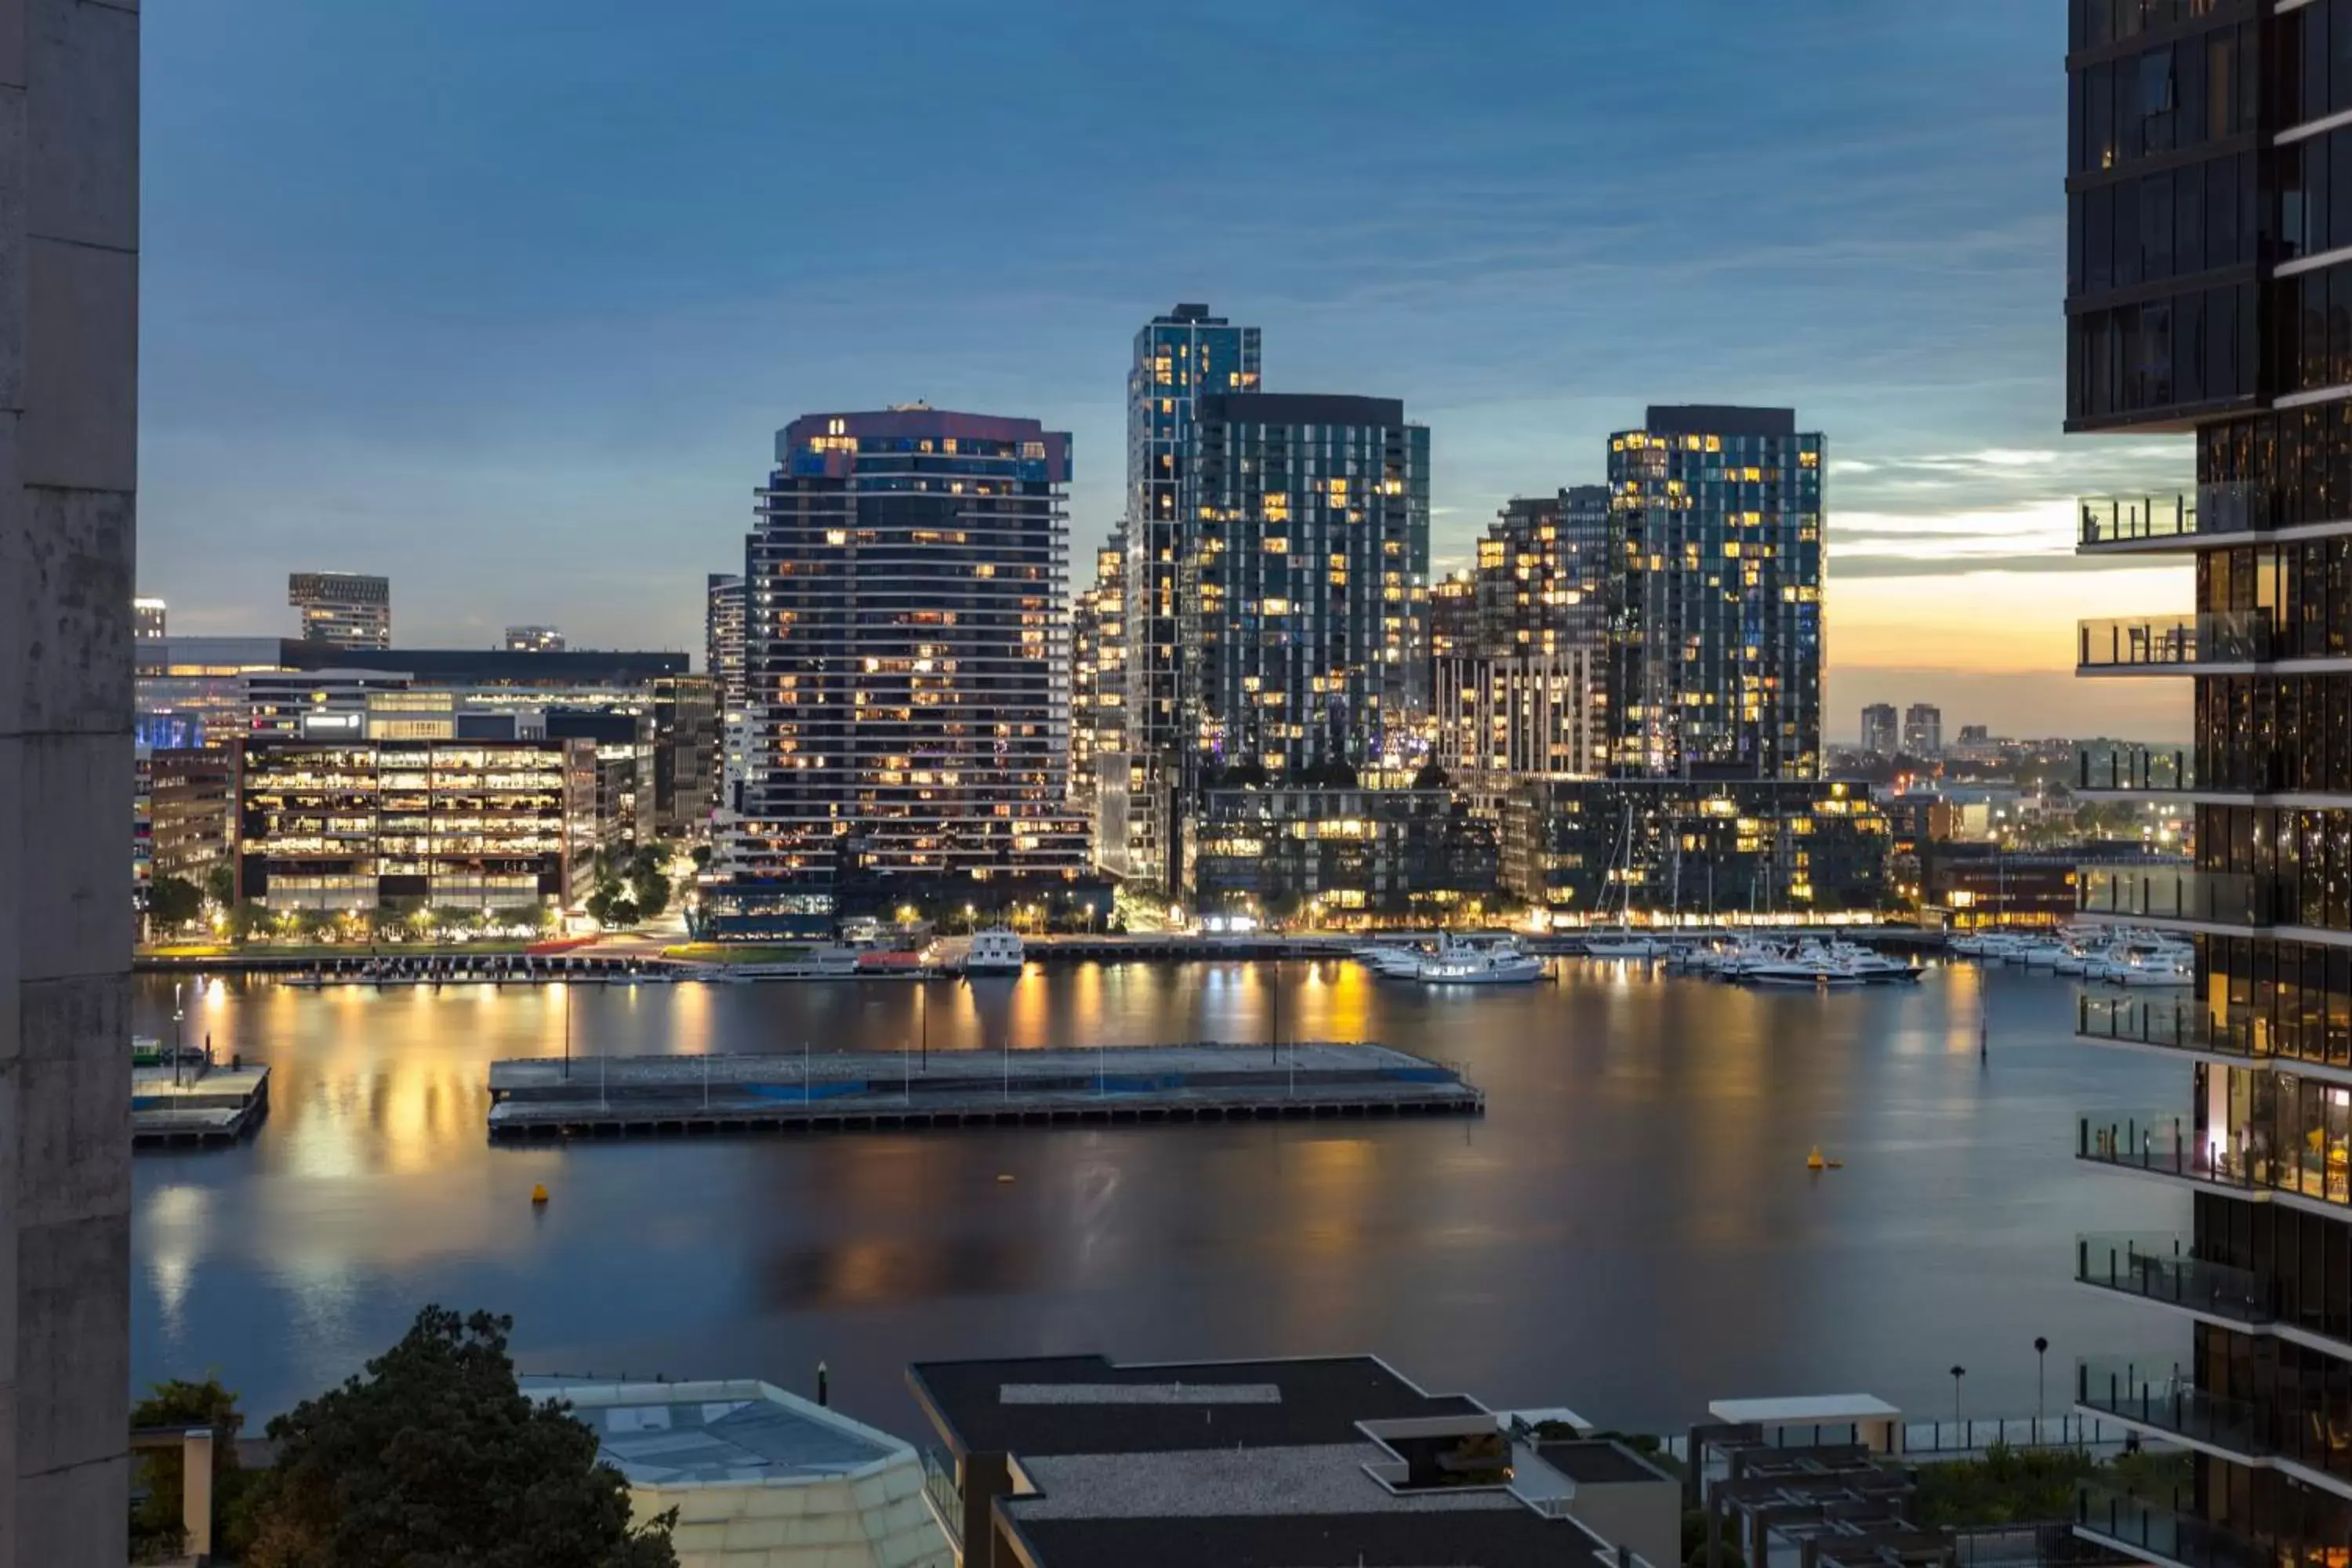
pixel 1391 961
pixel 2135 962
pixel 1811 964
pixel 1627 944
pixel 1459 961
pixel 1873 966
pixel 996 951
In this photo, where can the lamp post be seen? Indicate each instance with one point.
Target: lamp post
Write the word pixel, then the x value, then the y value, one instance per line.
pixel 179 1029
pixel 2040 1367
pixel 1957 1373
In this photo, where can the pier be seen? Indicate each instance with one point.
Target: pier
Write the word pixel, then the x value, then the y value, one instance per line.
pixel 211 1105
pixel 877 1091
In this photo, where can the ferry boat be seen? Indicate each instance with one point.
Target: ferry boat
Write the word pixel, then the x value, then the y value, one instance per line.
pixel 996 951
pixel 1459 961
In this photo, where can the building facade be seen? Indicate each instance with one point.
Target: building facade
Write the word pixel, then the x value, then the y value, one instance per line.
pixel 149 619
pixel 1303 599
pixel 1501 722
pixel 354 825
pixel 1922 730
pixel 1716 635
pixel 2209 208
pixel 1342 858
pixel 344 609
pixel 1881 731
pixel 1098 708
pixel 722 631
pixel 1726 849
pixel 534 639
pixel 1179 358
pixel 677 757
pixel 1544 572
pixel 907 659
pixel 191 812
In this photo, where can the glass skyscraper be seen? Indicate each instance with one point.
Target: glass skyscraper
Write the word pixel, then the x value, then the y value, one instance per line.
pixel 1178 357
pixel 2209 199
pixel 1716 600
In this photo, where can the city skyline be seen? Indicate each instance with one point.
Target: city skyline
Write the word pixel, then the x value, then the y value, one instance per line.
pixel 566 371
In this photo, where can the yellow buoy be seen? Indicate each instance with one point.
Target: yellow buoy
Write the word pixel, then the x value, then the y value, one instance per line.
pixel 1813 1162
pixel 539 1194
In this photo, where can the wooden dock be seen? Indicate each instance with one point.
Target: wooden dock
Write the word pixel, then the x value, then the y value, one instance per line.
pixel 877 1091
pixel 212 1106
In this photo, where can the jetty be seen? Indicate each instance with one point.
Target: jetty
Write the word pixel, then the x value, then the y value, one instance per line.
pixel 666 1096
pixel 208 1107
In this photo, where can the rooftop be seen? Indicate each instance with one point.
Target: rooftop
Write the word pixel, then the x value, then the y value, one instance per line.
pixel 735 1433
pixel 1597 1464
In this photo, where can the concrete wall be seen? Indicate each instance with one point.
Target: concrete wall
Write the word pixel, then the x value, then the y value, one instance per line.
pixel 69 445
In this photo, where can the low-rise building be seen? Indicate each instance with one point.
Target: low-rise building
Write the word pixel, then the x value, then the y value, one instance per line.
pixel 354 825
pixel 1312 1461
pixel 1694 846
pixel 1503 721
pixel 1341 857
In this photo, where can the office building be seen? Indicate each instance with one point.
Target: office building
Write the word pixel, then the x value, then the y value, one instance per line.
pixel 1880 734
pixel 1976 735
pixel 1342 858
pixel 1313 1461
pixel 723 632
pixel 1923 730
pixel 349 825
pixel 1303 597
pixel 2207 209
pixel 1098 708
pixel 1179 358
pixel 147 619
pixel 1453 625
pixel 534 639
pixel 297 702
pixel 1729 848
pixel 191 796
pixel 1501 722
pixel 1544 572
pixel 343 609
pixel 907 662
pixel 677 757
pixel 1716 634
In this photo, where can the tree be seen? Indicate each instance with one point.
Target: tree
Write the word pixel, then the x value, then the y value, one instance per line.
pixel 174 901
pixel 220 884
pixel 600 902
pixel 451 918
pixel 620 912
pixel 247 920
pixel 157 1530
pixel 651 897
pixel 1430 776
pixel 436 1457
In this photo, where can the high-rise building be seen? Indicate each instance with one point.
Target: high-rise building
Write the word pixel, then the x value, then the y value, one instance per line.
pixel 147 619
pixel 1544 573
pixel 1178 358
pixel 1304 597
pixel 2209 207
pixel 1502 722
pixel 907 659
pixel 534 639
pixel 348 609
pixel 1922 730
pixel 1453 617
pixel 1716 604
pixel 1880 734
pixel 1098 707
pixel 723 632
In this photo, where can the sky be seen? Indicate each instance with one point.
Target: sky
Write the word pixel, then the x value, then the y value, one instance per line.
pixel 505 299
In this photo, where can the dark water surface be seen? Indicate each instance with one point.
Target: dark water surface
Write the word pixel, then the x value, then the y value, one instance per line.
pixel 1631 1230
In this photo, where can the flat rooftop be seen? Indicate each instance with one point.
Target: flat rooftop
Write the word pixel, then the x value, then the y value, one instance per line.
pixel 1597 1464
pixel 736 1433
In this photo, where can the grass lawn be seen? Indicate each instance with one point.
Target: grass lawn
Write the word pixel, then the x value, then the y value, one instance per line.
pixel 335 949
pixel 735 952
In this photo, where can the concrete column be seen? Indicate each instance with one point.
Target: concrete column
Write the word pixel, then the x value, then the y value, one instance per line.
pixel 69 440
pixel 197 1492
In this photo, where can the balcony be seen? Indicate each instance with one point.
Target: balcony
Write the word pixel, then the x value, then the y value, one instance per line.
pixel 2172 1022
pixel 2143 1529
pixel 2134 770
pixel 2132 523
pixel 2234 899
pixel 2160 1268
pixel 2157 1395
pixel 2160 643
pixel 2159 1143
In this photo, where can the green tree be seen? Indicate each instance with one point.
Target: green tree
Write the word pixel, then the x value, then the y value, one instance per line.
pixel 247 920
pixel 436 1457
pixel 174 901
pixel 220 884
pixel 451 918
pixel 157 1530
pixel 600 902
pixel 620 912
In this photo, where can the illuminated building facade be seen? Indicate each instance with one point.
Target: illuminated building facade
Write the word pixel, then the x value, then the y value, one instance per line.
pixel 2209 290
pixel 1453 617
pixel 352 825
pixel 1501 722
pixel 1304 600
pixel 190 793
pixel 723 636
pixel 1880 734
pixel 907 661
pixel 1544 574
pixel 1715 603
pixel 1098 709
pixel 1730 849
pixel 344 609
pixel 1179 358
pixel 1922 730
pixel 1342 858
pixel 149 618
pixel 534 639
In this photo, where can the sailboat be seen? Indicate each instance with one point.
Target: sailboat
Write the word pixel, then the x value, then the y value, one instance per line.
pixel 1624 942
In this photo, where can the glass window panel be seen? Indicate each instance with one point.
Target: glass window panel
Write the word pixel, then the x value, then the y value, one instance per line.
pixel 2155 226
pixel 2189 219
pixel 2340 56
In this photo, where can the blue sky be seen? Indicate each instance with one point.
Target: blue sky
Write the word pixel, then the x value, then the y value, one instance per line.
pixel 507 299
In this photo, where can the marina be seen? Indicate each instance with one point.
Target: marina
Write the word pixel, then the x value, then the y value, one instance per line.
pixel 196 1107
pixel 876 1092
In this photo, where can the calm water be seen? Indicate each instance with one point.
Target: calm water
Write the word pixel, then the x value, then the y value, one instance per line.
pixel 1631 1230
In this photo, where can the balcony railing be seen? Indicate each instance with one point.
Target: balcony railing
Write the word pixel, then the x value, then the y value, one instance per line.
pixel 2218 898
pixel 2165 1535
pixel 2160 1268
pixel 2231 507
pixel 945 1494
pixel 2180 1023
pixel 2160 1394
pixel 2144 770
pixel 2168 642
pixel 2164 1143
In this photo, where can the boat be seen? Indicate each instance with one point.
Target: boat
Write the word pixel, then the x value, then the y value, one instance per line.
pixel 1460 961
pixel 1392 961
pixel 1627 945
pixel 1873 966
pixel 996 951
pixel 1811 964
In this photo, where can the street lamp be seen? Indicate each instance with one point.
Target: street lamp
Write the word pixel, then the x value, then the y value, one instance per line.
pixel 2041 1366
pixel 1957 1373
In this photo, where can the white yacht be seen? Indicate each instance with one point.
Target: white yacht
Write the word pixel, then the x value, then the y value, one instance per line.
pixel 1626 944
pixel 1392 960
pixel 996 951
pixel 1459 961
pixel 1874 967
pixel 1811 964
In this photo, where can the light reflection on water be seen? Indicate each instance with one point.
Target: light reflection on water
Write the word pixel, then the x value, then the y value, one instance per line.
pixel 1630 1230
